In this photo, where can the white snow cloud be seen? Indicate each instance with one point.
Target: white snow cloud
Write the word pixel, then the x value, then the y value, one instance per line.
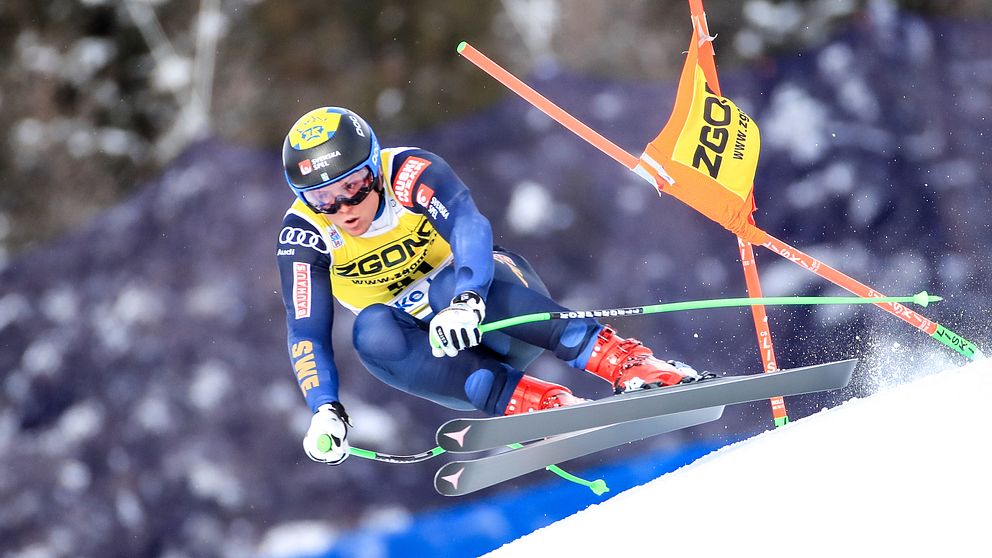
pixel 532 210
pixel 882 475
pixel 796 124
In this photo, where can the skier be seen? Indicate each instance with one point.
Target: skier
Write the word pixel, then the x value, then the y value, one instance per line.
pixel 394 236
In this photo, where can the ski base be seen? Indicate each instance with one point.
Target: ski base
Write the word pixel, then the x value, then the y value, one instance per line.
pixel 458 478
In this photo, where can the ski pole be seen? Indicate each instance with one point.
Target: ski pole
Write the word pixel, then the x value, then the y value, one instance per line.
pixel 324 443
pixel 920 322
pixel 388 458
pixel 597 486
pixel 921 298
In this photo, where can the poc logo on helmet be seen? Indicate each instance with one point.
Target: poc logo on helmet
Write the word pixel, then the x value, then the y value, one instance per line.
pixel 293 236
pixel 358 125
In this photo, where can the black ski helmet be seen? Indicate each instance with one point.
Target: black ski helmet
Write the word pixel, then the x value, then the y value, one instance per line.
pixel 327 144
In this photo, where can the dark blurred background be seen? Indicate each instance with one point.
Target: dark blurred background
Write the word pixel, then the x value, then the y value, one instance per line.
pixel 147 404
pixel 98 95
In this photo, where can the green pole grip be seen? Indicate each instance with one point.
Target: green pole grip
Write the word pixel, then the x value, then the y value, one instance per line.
pixel 597 486
pixel 957 342
pixel 363 453
pixel 324 443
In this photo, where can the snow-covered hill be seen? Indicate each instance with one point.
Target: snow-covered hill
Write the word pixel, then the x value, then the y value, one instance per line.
pixel 904 472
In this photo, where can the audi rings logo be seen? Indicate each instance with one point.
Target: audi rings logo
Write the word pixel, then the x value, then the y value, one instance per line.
pixel 294 236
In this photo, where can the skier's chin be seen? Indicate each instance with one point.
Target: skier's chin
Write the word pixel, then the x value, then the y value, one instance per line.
pixel 356 226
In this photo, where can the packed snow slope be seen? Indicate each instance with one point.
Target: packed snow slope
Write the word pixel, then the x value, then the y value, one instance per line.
pixel 904 472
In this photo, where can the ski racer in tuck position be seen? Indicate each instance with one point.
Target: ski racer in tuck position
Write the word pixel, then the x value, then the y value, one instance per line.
pixel 394 235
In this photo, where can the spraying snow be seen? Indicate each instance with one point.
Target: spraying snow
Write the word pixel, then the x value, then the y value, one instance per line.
pixel 904 472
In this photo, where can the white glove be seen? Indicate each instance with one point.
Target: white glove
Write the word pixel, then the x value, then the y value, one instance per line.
pixel 457 327
pixel 327 439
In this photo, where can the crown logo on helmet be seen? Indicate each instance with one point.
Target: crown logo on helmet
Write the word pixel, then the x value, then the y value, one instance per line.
pixel 321 141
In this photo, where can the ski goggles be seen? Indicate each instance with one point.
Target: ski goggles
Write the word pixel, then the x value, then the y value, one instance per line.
pixel 350 190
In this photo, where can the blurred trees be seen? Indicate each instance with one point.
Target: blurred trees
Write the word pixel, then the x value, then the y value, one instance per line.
pixel 97 94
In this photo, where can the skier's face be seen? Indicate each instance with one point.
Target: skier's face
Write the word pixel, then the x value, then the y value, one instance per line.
pixel 356 219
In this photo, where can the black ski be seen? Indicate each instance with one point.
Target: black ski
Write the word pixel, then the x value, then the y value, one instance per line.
pixel 477 434
pixel 462 477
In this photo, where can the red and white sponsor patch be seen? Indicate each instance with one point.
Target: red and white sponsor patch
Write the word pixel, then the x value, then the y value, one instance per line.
pixel 407 178
pixel 301 289
pixel 306 167
pixel 424 195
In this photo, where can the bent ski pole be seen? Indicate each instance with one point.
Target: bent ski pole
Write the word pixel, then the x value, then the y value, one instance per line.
pixel 921 298
pixel 388 458
pixel 325 444
pixel 598 486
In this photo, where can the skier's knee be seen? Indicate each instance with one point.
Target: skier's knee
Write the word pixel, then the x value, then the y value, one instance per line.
pixel 479 387
pixel 490 390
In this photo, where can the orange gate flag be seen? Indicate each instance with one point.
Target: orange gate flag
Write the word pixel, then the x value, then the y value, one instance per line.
pixel 707 154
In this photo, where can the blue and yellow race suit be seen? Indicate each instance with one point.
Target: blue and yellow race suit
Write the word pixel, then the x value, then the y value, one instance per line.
pixel 427 243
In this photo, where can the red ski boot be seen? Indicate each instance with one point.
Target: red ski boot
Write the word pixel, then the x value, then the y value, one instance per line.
pixel 537 395
pixel 629 365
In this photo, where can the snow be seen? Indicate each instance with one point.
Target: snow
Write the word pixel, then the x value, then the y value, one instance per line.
pixel 536 21
pixel 43 356
pixel 74 475
pixel 710 271
pixel 212 299
pixel 280 397
pixel 380 425
pixel 35 56
pixel 211 481
pixel 13 307
pixel 837 180
pixel 153 414
pixel 212 380
pixel 773 18
pixel 128 507
pixel 389 103
pixel 295 538
pixel 792 109
pixel 529 208
pixel 79 423
pixel 60 304
pixel 86 57
pixel 903 472
pixel 173 73
pixel 138 304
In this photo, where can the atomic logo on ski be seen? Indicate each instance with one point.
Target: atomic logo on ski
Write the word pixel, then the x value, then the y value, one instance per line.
pixel 459 436
pixel 493 432
pixel 453 478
